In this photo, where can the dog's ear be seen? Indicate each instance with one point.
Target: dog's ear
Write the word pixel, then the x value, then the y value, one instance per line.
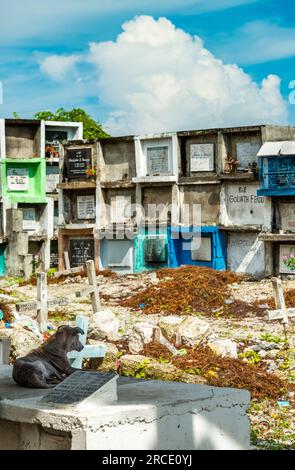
pixel 78 331
pixel 62 328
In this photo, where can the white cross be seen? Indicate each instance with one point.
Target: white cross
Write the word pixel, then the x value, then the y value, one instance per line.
pixel 88 351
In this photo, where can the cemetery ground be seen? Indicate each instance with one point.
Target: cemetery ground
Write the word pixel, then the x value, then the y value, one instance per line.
pixel 190 324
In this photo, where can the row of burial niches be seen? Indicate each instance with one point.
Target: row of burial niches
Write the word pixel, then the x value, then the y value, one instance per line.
pixel 153 248
pixel 205 153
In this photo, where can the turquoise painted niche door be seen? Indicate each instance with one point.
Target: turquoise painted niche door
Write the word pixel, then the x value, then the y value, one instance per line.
pixel 2 260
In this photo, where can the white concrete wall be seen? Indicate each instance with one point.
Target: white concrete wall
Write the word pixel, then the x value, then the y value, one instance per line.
pixel 245 253
pixel 240 205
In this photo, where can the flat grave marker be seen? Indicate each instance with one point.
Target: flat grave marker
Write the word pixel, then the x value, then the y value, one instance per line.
pixel 83 389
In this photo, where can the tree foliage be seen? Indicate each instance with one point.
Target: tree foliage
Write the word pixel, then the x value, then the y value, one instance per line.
pixel 92 129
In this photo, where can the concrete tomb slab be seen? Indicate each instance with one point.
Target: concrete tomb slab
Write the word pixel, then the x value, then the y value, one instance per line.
pixel 148 415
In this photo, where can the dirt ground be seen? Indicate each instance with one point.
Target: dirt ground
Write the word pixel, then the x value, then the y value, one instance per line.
pixel 234 309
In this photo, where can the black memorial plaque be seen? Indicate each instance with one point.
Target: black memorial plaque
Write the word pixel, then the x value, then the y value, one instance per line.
pixel 155 250
pixel 77 161
pixel 77 387
pixel 81 250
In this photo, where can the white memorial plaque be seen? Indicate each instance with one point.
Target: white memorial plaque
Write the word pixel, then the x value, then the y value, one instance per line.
pixel 120 209
pixel 86 207
pixel 157 160
pixel 203 251
pixel 29 218
pixel 17 179
pixel 247 153
pixel 202 157
pixel 287 259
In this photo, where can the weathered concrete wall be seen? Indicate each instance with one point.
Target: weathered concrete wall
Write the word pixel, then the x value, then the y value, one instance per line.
pixel 23 140
pixel 246 254
pixel 19 261
pixel 240 205
pixel 207 196
pixel 286 216
pixel 118 160
pixel 21 436
pixel 277 133
pixel 244 147
pixel 118 203
pixel 158 195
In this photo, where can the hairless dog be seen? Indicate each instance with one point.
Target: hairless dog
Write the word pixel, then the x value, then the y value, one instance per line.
pixel 48 365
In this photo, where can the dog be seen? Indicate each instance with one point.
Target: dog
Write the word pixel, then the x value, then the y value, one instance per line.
pixel 48 365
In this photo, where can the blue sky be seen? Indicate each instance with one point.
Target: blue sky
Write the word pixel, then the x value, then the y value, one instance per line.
pixel 256 35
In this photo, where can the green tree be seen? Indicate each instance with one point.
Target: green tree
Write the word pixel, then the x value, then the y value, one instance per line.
pixel 92 129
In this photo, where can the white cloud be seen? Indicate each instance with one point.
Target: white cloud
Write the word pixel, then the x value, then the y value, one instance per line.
pixel 59 67
pixel 258 42
pixel 156 77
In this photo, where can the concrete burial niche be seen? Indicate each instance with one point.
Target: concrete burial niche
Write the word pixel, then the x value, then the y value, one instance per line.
pixel 152 249
pixel 156 203
pixel 23 139
pixel 116 206
pixel 204 246
pixel 198 154
pixel 78 159
pixel 117 255
pixel 129 415
pixel 56 132
pixel 244 147
pixel 81 246
pixel 156 158
pixel 246 253
pixel 117 160
pixel 79 206
pixel 240 206
pixel 201 202
pixel 23 180
pixel 37 218
pixel 285 213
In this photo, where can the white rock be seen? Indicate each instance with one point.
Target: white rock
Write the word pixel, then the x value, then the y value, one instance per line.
pixel 106 324
pixel 142 334
pixel 24 341
pixel 224 347
pixel 170 325
pixel 191 329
